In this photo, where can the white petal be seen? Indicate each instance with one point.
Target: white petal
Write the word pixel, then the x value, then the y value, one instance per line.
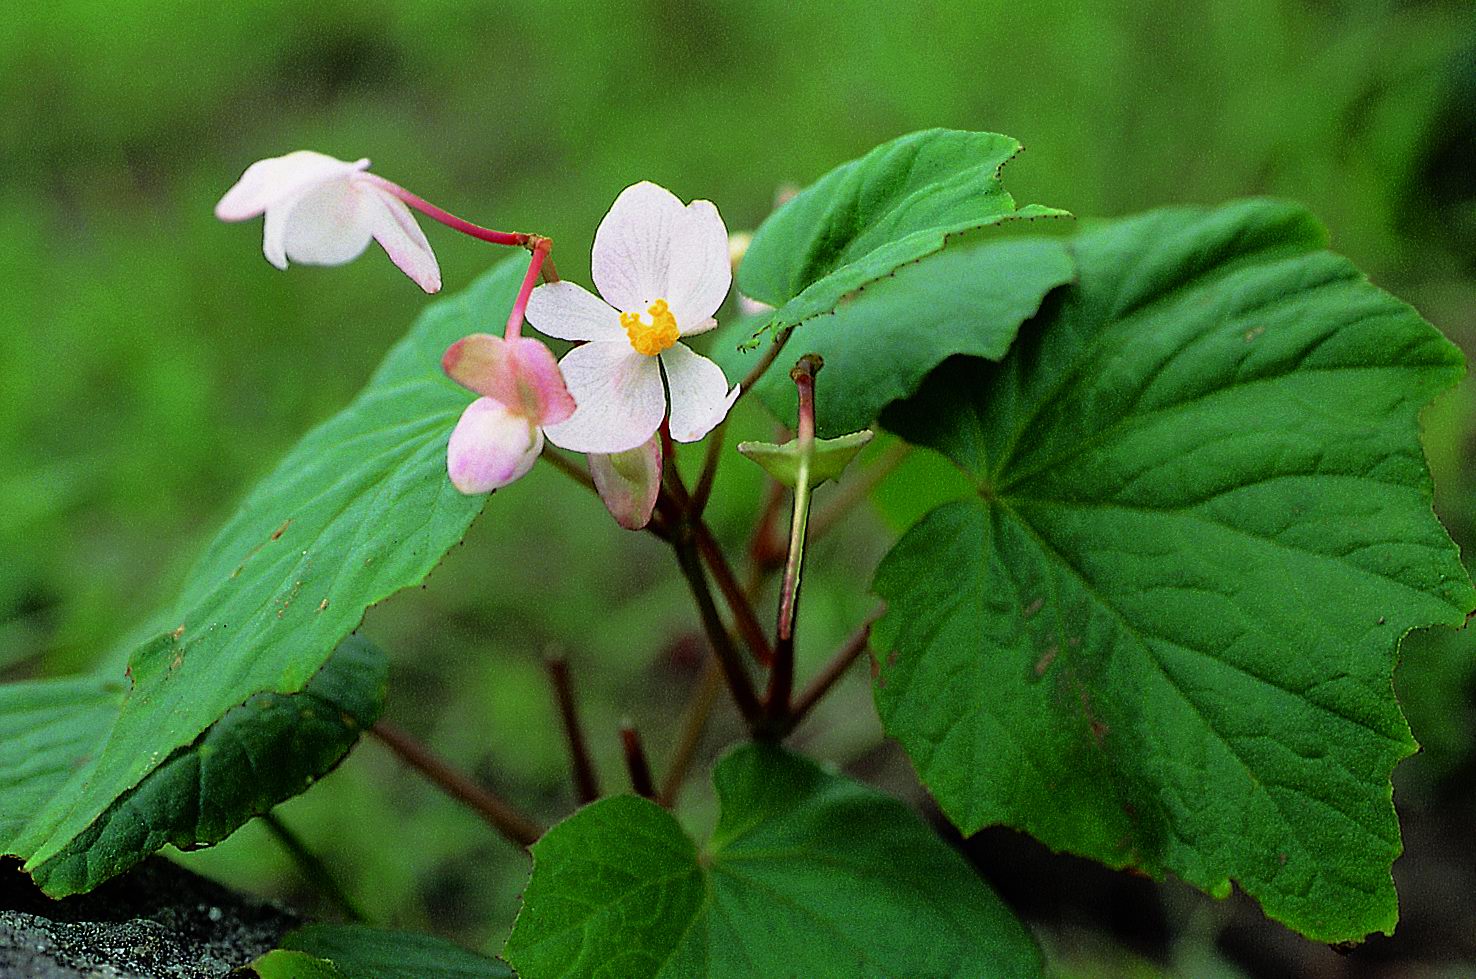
pixel 699 273
pixel 397 232
pixel 699 393
pixel 490 447
pixel 702 327
pixel 619 397
pixel 571 312
pixel 632 248
pixel 329 225
pixel 279 180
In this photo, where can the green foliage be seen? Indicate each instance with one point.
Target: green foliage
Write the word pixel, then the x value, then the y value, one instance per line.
pixel 48 729
pixel 807 873
pixel 360 509
pixel 260 752
pixel 1162 631
pixel 849 247
pixel 830 457
pixel 358 952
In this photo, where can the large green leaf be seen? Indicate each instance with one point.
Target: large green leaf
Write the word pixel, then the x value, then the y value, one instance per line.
pixel 807 874
pixel 358 952
pixel 1161 633
pixel 358 510
pixel 258 754
pixel 48 729
pixel 841 260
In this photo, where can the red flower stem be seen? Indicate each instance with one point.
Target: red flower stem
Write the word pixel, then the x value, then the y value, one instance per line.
pixel 586 782
pixel 450 220
pixel 501 816
pixel 635 761
pixel 540 249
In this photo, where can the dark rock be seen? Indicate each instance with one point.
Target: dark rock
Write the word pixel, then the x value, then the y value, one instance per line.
pixel 158 922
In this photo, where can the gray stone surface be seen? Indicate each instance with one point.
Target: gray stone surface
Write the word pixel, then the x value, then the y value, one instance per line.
pixel 158 922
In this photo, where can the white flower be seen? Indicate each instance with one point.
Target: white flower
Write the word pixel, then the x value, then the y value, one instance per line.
pixel 663 270
pixel 323 211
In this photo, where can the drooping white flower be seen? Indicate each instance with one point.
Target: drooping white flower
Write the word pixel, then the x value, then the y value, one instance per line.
pixel 324 211
pixel 663 270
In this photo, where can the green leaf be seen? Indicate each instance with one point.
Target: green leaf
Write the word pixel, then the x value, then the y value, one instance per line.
pixel 870 216
pixel 48 729
pixel 1161 633
pixel 830 458
pixel 358 510
pixel 283 964
pixel 841 261
pixel 261 752
pixel 807 874
pixel 360 952
pixel 878 346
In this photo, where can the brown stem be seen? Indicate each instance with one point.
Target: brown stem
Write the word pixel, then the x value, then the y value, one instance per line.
pixel 586 782
pixel 635 761
pixel 744 617
pixel 763 364
pixel 723 647
pixel 694 723
pixel 833 670
pixel 703 491
pixel 499 814
pixel 569 468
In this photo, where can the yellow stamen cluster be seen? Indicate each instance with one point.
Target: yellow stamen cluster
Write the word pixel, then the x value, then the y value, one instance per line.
pixel 651 338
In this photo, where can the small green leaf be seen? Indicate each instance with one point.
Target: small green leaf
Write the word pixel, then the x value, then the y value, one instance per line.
pixel 360 509
pixel 870 216
pixel 807 874
pixel 831 457
pixel 841 261
pixel 260 753
pixel 360 952
pixel 1161 633
pixel 282 964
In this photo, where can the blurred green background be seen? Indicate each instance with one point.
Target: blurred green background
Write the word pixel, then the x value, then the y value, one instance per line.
pixel 152 365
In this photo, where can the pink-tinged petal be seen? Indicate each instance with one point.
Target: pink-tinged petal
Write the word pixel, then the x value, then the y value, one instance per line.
pixel 619 394
pixel 400 236
pixel 490 447
pixel 329 225
pixel 571 312
pixel 632 247
pixel 629 482
pixel 700 273
pixel 699 393
pixel 520 374
pixel 280 179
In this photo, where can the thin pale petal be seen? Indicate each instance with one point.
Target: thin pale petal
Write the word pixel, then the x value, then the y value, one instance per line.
pixel 700 271
pixel 520 374
pixel 702 327
pixel 329 225
pixel 619 394
pixel 632 248
pixel 629 482
pixel 490 447
pixel 571 312
pixel 280 179
pixel 400 236
pixel 699 393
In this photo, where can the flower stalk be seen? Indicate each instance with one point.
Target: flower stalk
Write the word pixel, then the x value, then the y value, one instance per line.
pixel 781 677
pixel 586 781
